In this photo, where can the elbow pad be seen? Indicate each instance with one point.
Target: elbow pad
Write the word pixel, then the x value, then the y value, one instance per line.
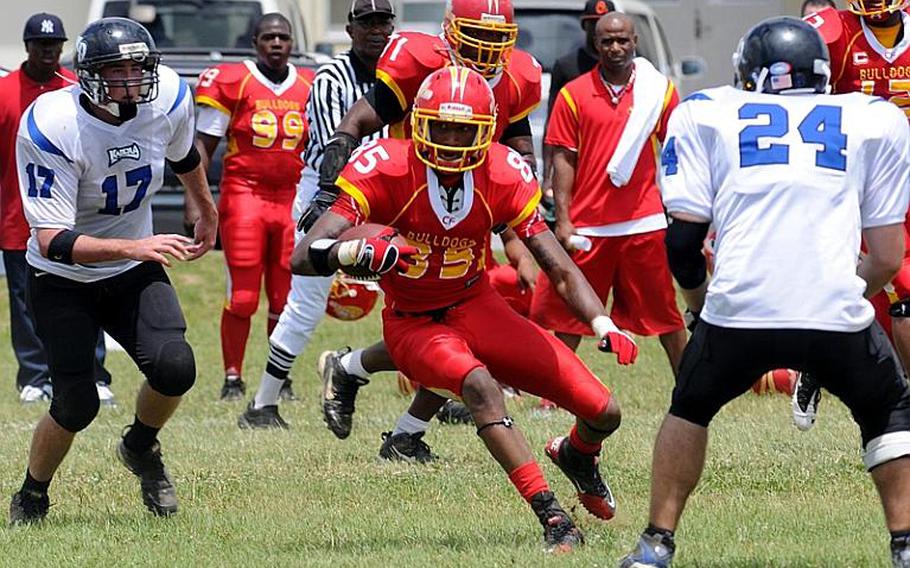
pixel 684 242
pixel 61 247
pixel 188 163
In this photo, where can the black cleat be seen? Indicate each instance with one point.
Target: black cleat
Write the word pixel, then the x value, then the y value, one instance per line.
pixel 261 418
pixel 233 388
pixel 900 552
pixel 559 532
pixel 807 394
pixel 454 412
pixel 158 492
pixel 405 447
pixel 28 507
pixel 287 391
pixel 339 390
pixel 584 473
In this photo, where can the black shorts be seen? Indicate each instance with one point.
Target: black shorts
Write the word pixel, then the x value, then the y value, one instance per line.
pixel 860 368
pixel 138 308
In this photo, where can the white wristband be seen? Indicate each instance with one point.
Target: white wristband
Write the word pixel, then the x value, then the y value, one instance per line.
pixel 348 251
pixel 602 325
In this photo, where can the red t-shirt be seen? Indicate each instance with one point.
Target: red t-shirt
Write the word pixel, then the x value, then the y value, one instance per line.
pixel 17 91
pixel 584 119
pixel 386 183
pixel 268 129
pixel 410 57
pixel 859 63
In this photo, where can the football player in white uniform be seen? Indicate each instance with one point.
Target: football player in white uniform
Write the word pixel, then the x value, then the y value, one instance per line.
pixel 90 158
pixel 792 179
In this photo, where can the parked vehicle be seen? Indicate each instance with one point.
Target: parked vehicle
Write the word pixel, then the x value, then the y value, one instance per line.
pixel 193 35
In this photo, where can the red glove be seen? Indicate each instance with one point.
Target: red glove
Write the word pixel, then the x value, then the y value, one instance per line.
pixel 375 255
pixel 622 344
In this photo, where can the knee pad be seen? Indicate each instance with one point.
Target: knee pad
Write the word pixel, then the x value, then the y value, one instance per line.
pixel 174 368
pixel 75 405
pixel 243 303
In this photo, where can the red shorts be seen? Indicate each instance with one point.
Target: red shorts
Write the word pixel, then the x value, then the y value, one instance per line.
pixel 897 289
pixel 635 267
pixel 483 331
pixel 504 280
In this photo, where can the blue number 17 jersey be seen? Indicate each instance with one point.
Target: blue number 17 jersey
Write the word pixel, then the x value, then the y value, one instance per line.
pixel 789 182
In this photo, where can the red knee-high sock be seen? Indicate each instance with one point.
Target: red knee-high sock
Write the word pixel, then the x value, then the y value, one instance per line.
pixel 580 445
pixel 234 332
pixel 528 479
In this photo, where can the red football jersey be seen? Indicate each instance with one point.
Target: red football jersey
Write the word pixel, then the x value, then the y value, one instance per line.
pixel 410 57
pixel 585 119
pixel 860 63
pixel 386 183
pixel 267 130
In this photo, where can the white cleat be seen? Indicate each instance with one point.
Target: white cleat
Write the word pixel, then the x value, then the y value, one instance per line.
pixel 105 395
pixel 806 396
pixel 30 394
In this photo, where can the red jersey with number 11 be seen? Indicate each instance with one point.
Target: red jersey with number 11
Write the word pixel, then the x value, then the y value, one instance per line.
pixel 267 130
pixel 859 62
pixel 386 183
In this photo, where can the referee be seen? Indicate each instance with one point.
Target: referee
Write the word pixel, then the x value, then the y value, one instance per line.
pixel 337 86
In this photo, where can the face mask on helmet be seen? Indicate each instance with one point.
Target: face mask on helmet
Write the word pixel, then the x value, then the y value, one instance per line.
pixel 483 42
pixel 453 120
pixel 876 8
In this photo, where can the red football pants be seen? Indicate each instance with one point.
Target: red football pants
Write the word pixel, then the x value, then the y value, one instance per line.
pixel 257 234
pixel 483 331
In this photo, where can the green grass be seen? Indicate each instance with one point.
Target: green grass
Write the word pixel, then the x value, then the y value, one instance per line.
pixel 770 496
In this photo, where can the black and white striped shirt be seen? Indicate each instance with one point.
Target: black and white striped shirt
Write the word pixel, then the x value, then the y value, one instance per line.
pixel 337 86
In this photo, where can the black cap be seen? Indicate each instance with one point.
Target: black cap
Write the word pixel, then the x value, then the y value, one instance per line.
pixel 361 8
pixel 44 26
pixel 594 9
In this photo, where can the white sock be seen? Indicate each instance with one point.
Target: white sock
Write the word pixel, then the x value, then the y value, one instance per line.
pixel 353 364
pixel 410 424
pixel 267 395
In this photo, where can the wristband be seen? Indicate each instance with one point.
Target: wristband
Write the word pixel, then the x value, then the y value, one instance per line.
pixel 319 256
pixel 602 325
pixel 348 251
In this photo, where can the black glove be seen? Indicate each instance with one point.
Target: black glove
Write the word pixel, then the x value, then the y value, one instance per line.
pixel 321 202
pixel 692 318
pixel 335 155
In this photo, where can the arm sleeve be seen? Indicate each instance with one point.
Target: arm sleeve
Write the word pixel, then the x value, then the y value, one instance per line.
pixel 562 129
pixel 885 196
pixel 212 121
pixel 48 183
pixel 685 172
pixel 183 121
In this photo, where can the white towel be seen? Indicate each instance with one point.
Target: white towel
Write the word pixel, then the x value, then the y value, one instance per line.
pixel 648 94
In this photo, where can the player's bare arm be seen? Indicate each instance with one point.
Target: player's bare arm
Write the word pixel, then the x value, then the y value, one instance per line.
pixel 576 291
pixel 84 249
pixel 884 256
pixel 564 162
pixel 520 258
pixel 205 227
pixel 362 120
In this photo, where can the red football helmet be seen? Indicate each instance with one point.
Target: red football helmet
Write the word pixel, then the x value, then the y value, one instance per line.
pixel 481 33
pixel 453 95
pixel 876 8
pixel 350 299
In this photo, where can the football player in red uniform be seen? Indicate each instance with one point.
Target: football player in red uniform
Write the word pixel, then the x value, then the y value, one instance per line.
pixel 443 323
pixel 869 47
pixel 481 35
pixel 260 107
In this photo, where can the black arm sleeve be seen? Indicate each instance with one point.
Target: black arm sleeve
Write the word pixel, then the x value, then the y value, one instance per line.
pixel 520 128
pixel 684 243
pixel 188 163
pixel 385 103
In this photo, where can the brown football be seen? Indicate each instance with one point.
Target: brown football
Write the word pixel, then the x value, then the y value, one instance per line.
pixel 369 230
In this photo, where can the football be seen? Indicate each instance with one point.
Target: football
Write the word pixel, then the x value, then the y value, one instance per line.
pixel 370 230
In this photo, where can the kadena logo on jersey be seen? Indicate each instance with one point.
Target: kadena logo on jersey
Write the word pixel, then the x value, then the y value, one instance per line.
pixel 131 152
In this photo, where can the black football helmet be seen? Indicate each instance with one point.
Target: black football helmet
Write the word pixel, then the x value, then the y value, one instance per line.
pixel 782 54
pixel 110 40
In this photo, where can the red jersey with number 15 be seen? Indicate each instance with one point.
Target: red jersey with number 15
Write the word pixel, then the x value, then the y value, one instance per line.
pixel 410 57
pixel 859 62
pixel 267 129
pixel 386 183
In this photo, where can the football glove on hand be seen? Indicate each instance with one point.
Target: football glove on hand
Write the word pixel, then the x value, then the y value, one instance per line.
pixel 622 344
pixel 320 203
pixel 374 256
pixel 335 155
pixel 691 318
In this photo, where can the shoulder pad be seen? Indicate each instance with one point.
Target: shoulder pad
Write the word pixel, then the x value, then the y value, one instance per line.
pixel 51 124
pixel 828 24
pixel 172 89
pixel 424 49
pixel 226 73
pixel 500 159
pixel 396 165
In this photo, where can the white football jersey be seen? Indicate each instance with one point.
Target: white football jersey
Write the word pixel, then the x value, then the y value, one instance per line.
pixel 789 182
pixel 80 173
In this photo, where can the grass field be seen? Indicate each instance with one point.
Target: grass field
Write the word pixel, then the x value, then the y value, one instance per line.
pixel 770 496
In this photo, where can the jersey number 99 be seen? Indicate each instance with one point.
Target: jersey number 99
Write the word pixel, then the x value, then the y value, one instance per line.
pixel 266 129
